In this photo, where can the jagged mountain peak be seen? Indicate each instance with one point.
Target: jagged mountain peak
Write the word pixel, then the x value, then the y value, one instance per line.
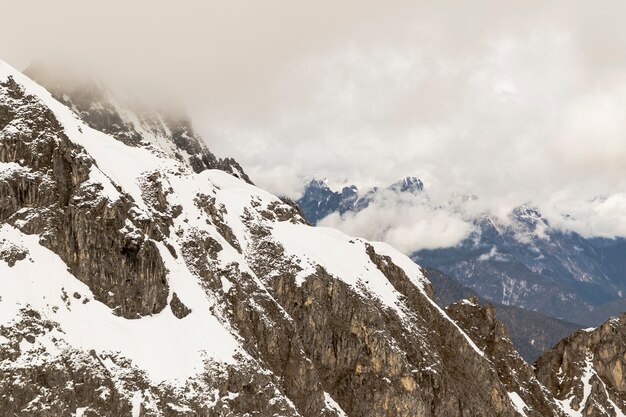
pixel 408 184
pixel 318 200
pixel 129 121
pixel 317 184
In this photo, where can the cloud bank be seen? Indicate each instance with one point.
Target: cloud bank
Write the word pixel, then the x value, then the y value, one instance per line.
pixel 515 102
pixel 405 221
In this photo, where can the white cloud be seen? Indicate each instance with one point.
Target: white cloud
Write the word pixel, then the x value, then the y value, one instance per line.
pixel 515 102
pixel 404 221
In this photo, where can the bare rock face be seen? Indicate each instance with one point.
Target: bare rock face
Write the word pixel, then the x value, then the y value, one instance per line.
pixel 516 375
pixel 11 253
pixel 585 370
pixel 46 190
pixel 179 309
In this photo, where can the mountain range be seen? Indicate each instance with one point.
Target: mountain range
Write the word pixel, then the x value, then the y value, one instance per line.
pixel 518 261
pixel 141 275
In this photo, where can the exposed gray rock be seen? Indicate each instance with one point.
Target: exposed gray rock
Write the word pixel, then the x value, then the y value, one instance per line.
pixel 179 309
pixel 586 370
pixel 11 254
pixel 516 375
pixel 49 194
pixel 532 333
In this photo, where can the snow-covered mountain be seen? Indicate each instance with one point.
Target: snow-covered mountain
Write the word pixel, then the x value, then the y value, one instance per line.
pixel 130 122
pixel 319 200
pixel 135 283
pixel 519 261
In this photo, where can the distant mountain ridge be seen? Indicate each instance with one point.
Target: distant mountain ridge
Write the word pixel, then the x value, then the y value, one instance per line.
pixel 522 261
pixel 318 200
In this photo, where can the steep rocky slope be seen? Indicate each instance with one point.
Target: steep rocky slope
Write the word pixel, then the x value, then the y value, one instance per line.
pixel 581 376
pixel 532 333
pixel 527 393
pixel 134 283
pixel 585 371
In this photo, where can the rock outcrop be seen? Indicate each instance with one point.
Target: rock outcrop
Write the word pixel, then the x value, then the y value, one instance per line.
pixel 49 187
pixel 532 333
pixel 585 370
pixel 481 324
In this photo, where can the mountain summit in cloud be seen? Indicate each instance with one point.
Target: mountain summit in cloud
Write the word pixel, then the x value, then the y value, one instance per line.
pixel 135 284
pixel 516 258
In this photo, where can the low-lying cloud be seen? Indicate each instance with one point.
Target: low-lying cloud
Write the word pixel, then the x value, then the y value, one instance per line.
pixel 515 102
pixel 405 221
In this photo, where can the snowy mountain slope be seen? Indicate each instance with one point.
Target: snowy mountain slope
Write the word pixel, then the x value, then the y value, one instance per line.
pixel 131 284
pixel 528 263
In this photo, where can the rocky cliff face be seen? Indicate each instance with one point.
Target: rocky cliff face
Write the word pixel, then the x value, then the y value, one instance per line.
pixel 585 370
pixel 581 376
pixel 532 333
pixel 530 397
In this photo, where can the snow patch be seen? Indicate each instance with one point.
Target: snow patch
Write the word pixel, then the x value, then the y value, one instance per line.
pixel 519 404
pixel 332 405
pixel 165 347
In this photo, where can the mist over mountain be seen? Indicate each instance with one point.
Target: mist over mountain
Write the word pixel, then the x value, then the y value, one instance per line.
pixel 312 209
pixel 518 259
pixel 114 242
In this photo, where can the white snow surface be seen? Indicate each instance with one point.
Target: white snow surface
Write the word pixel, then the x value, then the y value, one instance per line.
pixel 332 405
pixel 341 256
pixel 519 404
pixel 587 374
pixel 164 346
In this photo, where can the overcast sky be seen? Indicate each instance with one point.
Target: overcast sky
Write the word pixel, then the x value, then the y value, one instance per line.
pixel 511 101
